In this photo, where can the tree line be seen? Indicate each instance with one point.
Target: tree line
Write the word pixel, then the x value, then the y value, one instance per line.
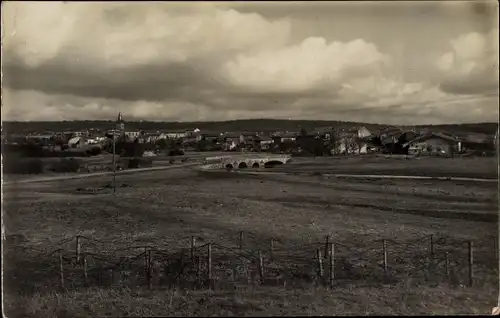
pixel 258 125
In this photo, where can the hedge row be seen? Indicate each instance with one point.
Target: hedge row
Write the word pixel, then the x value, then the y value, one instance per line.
pixel 36 151
pixel 37 166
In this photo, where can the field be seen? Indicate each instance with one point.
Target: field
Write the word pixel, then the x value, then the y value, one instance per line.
pixel 468 167
pixel 103 163
pixel 167 208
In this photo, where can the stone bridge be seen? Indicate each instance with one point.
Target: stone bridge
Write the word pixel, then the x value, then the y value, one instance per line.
pixel 246 161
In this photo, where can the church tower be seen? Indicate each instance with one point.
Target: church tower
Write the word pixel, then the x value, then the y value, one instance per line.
pixel 120 124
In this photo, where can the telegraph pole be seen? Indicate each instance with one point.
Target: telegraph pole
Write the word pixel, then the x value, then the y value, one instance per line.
pixel 114 162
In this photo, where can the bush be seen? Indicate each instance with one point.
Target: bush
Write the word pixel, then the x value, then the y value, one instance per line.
pixel 66 165
pixel 22 165
pixel 176 152
pixel 94 151
pixel 135 163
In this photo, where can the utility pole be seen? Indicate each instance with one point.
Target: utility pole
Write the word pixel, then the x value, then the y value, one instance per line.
pixel 114 162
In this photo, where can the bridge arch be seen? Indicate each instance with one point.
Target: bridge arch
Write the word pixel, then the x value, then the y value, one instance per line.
pixel 229 166
pixel 255 165
pixel 272 163
pixel 242 165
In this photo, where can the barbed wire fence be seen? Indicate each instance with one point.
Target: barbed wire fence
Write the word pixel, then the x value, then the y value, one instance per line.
pixel 81 261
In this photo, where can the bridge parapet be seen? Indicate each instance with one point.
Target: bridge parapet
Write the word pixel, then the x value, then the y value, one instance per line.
pixel 245 161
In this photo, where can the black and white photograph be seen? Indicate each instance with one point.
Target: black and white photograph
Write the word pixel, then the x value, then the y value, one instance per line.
pixel 250 158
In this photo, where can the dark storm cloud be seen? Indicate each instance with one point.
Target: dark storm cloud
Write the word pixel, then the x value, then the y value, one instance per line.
pixel 477 85
pixel 145 82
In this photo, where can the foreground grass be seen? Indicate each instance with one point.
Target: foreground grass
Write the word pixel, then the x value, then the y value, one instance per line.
pixel 168 207
pixel 250 301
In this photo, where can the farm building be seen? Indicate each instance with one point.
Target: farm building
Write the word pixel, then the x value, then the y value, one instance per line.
pixel 41 139
pixel 479 143
pixel 248 138
pixel 176 134
pixel 434 143
pixel 265 142
pixel 133 134
pixel 232 137
pixel 208 136
pixel 324 132
pixel 284 137
pixel 363 132
pixel 76 142
pixel 231 140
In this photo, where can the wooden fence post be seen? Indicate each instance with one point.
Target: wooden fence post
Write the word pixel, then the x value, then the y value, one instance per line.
pixel 241 240
pixel 471 263
pixel 432 246
pixel 77 249
pixel 61 272
pixel 150 269
pixel 446 265
pixel 332 264
pixel 261 268
pixel 198 270
pixel 146 265
pixel 271 248
pixel 193 246
pixel 327 246
pixel 85 275
pixel 233 270
pixel 384 246
pixel 495 245
pixel 111 277
pixel 320 264
pixel 209 265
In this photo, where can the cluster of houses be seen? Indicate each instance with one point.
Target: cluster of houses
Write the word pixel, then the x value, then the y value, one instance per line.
pixel 320 141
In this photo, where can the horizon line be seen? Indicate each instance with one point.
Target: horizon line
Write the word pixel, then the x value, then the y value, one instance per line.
pixel 243 119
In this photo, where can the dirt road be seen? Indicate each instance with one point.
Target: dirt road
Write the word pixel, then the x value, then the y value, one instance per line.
pixel 97 174
pixel 371 176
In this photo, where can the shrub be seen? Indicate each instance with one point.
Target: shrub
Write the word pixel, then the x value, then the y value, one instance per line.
pixel 176 152
pixel 94 151
pixel 135 163
pixel 66 165
pixel 131 149
pixel 22 165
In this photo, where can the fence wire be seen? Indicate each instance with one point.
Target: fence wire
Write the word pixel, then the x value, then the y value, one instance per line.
pixel 92 262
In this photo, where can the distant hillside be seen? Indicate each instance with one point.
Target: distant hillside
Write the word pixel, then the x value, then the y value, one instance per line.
pixel 479 128
pixel 264 125
pixel 260 125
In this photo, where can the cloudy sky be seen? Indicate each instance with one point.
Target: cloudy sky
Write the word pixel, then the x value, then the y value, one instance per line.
pixel 395 63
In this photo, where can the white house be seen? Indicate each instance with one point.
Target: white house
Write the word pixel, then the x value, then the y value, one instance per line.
pixel 75 142
pixel 132 134
pixel 363 132
pixel 265 142
pixel 176 134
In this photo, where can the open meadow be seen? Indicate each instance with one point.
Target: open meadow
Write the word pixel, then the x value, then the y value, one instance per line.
pixel 425 226
pixel 467 167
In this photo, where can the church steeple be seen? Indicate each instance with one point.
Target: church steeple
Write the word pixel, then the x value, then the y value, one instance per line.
pixel 120 124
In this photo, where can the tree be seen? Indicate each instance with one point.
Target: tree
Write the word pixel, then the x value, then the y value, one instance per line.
pixel 162 144
pixel 202 145
pixel 130 149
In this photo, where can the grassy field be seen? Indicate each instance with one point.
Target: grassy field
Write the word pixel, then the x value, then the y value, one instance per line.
pixel 166 208
pixel 104 163
pixel 468 167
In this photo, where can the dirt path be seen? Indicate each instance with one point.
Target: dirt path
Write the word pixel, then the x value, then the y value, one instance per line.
pixel 371 176
pixel 98 174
